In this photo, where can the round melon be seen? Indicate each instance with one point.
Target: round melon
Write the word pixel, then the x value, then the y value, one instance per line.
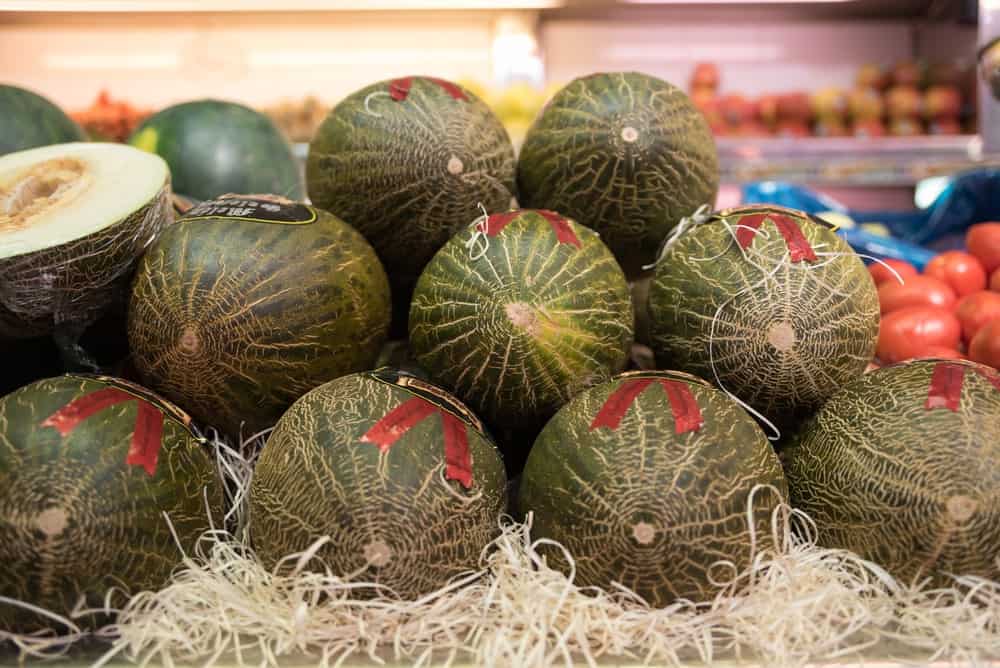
pixel 768 303
pixel 902 466
pixel 30 121
pixel 248 302
pixel 215 148
pixel 74 219
pixel 408 162
pixel 646 481
pixel 89 466
pixel 519 312
pixel 624 153
pixel 399 475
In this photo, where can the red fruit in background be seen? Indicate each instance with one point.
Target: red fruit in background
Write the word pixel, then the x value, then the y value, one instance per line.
pixel 793 129
pixel 944 126
pixel 795 107
pixel 705 75
pixel 767 109
pixel 735 109
pixel 752 128
pixel 912 331
pixel 865 104
pixel 995 280
pixel 831 127
pixel 939 352
pixel 903 102
pixel 906 127
pixel 872 76
pixel 907 73
pixel 977 310
pixel 916 291
pixel 829 102
pixel 881 274
pixel 869 129
pixel 962 271
pixel 944 74
pixel 985 345
pixel 942 101
pixel 983 241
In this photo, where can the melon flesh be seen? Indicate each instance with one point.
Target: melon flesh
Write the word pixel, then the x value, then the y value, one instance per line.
pixel 57 194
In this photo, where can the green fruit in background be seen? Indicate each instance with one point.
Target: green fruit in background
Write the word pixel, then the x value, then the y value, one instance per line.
pixel 247 303
pixel 29 121
pixel 519 312
pixel 216 148
pixel 397 473
pixel 74 219
pixel 902 466
pixel 646 481
pixel 624 153
pixel 89 466
pixel 768 303
pixel 408 162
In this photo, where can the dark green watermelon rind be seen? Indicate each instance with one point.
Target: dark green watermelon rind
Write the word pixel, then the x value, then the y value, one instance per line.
pixel 30 121
pixel 876 471
pixel 71 285
pixel 382 166
pixel 574 160
pixel 279 309
pixel 216 147
pixel 833 310
pixel 115 533
pixel 588 489
pixel 316 477
pixel 460 332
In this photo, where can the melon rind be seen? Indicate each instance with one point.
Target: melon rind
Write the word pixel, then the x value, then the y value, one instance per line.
pixel 316 476
pixel 596 491
pixel 30 120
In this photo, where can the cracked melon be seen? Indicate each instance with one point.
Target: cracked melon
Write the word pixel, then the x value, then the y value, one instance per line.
pixel 902 466
pixel 646 481
pixel 519 312
pixel 769 304
pixel 88 467
pixel 408 162
pixel 624 153
pixel 30 121
pixel 248 302
pixel 400 476
pixel 74 219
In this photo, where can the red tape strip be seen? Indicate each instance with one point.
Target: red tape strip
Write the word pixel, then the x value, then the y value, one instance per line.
pixel 495 223
pixel 687 414
pixel 147 439
pixel 992 376
pixel 562 228
pixel 397 422
pixel 67 418
pixel 458 462
pixel 617 404
pixel 799 247
pixel 399 89
pixel 946 387
pixel 683 405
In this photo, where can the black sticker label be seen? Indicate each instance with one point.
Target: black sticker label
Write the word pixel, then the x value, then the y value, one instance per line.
pixel 253 210
pixel 428 392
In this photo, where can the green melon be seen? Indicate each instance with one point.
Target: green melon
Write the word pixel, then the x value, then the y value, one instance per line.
pixel 215 148
pixel 74 219
pixel 30 121
pixel 408 162
pixel 89 466
pixel 519 312
pixel 249 302
pixel 749 310
pixel 902 466
pixel 398 474
pixel 646 481
pixel 624 153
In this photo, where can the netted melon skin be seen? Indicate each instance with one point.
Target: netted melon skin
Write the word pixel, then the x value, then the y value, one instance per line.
pixel 643 506
pixel 782 336
pixel 394 517
pixel 914 490
pixel 76 517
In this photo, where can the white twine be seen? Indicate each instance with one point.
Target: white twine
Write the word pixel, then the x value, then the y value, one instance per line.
pixel 368 99
pixel 701 214
pixel 479 236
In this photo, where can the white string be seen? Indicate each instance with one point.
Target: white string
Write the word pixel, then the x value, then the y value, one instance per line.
pixel 703 213
pixel 479 234
pixel 368 98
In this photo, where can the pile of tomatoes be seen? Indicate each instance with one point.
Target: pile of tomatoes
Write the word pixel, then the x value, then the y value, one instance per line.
pixel 952 310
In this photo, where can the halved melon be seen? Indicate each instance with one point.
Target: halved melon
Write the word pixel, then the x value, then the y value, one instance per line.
pixel 74 218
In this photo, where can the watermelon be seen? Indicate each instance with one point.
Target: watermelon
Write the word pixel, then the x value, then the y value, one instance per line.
pixel 408 162
pixel 902 466
pixel 646 480
pixel 30 121
pixel 89 466
pixel 770 304
pixel 400 476
pixel 74 219
pixel 215 148
pixel 622 152
pixel 519 312
pixel 248 302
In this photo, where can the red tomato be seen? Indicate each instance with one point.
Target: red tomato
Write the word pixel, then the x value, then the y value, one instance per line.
pixel 880 273
pixel 916 291
pixel 940 352
pixel 909 332
pixel 995 281
pixel 985 346
pixel 977 310
pixel 962 271
pixel 983 241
